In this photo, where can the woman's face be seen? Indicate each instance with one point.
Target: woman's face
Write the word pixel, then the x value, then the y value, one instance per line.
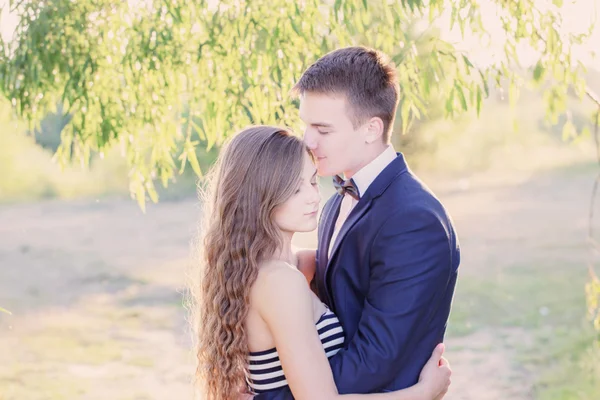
pixel 299 212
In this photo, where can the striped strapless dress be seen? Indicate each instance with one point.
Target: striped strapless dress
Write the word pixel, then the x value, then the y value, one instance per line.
pixel 265 368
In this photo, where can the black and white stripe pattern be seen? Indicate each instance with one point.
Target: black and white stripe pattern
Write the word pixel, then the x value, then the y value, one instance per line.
pixel 265 368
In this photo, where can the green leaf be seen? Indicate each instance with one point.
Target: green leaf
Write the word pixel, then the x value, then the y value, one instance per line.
pixel 453 16
pixel 191 156
pixel 427 83
pixel 415 111
pixel 538 71
pixel 479 100
pixel 450 102
pixel 486 86
pixel 467 61
pixel 183 158
pixel 461 95
pixel 4 310
pixel 295 26
pixel 140 194
pixel 199 129
pixel 151 190
pixel 336 6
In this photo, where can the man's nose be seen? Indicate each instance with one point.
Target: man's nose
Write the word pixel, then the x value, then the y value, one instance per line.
pixel 310 139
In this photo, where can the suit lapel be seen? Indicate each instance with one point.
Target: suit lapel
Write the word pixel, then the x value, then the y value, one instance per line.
pixel 330 213
pixel 355 215
pixel 376 189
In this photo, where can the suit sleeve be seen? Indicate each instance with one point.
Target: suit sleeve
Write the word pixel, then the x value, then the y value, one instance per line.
pixel 410 267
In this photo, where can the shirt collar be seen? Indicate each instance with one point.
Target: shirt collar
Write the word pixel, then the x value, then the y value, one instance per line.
pixel 367 174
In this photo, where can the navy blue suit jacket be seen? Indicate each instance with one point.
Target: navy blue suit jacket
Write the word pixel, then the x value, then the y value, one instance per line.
pixel 390 280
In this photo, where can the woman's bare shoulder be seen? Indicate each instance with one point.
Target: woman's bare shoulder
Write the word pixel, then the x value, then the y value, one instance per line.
pixel 276 272
pixel 277 283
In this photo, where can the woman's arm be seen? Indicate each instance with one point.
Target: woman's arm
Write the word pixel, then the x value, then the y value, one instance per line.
pixel 285 304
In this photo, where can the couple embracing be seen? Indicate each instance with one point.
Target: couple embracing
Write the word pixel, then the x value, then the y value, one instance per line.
pixel 362 316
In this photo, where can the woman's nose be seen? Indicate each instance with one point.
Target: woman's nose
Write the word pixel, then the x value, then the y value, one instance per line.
pixel 315 195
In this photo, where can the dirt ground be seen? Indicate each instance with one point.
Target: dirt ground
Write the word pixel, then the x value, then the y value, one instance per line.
pixel 95 287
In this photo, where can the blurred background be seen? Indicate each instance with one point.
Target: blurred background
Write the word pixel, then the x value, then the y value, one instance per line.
pixel 95 282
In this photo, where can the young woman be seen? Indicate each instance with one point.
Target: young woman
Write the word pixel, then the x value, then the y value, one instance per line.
pixel 260 327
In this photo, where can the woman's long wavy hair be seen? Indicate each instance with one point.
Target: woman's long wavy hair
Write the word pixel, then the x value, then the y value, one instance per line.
pixel 257 170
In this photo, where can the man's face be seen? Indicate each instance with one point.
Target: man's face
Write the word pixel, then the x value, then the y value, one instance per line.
pixel 336 146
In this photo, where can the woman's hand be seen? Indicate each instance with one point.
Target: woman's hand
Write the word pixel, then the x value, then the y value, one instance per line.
pixel 307 263
pixel 435 375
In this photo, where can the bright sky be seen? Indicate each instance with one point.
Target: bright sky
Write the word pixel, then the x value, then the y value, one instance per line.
pixel 577 15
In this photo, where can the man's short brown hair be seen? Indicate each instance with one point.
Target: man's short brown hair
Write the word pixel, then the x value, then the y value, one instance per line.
pixel 364 76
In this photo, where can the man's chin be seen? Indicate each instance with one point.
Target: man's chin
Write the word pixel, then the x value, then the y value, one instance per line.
pixel 324 172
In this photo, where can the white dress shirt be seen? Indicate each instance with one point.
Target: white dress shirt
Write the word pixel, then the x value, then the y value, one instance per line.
pixel 362 179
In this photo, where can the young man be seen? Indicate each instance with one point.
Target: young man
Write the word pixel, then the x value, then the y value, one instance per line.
pixel 388 255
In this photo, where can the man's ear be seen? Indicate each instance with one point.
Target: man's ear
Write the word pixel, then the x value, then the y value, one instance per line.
pixel 374 130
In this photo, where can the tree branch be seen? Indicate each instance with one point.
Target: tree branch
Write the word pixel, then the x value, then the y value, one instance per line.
pixel 593 96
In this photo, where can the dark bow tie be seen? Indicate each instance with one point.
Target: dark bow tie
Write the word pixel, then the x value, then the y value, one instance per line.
pixel 344 187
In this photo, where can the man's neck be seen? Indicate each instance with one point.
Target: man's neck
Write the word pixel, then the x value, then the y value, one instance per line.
pixel 369 157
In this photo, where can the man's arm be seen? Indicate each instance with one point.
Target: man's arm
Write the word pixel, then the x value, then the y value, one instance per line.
pixel 410 267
